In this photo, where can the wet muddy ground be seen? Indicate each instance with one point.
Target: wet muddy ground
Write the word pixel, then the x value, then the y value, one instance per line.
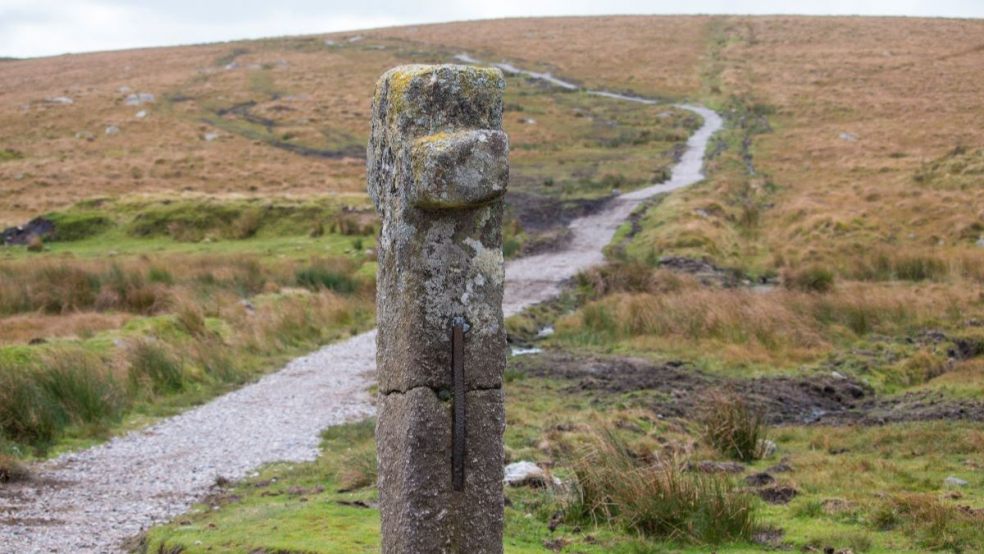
pixel 677 389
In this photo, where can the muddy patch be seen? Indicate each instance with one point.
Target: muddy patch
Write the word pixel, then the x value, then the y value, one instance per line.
pixel 677 389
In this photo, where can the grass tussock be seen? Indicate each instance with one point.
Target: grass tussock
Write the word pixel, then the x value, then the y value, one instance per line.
pixel 733 427
pixel 65 387
pixel 12 471
pixel 152 367
pixel 657 501
pixel 809 279
pixel 933 523
pixel 884 265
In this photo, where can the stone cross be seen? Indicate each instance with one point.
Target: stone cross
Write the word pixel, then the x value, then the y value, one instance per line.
pixel 438 168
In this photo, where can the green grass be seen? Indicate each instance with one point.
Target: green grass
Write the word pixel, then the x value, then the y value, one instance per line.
pixel 188 336
pixel 848 480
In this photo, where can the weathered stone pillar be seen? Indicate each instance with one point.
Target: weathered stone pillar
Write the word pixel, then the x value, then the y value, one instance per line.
pixel 438 168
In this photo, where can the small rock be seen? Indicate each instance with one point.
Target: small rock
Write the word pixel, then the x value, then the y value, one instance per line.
pixel 124 90
pixel 953 481
pixel 329 42
pixel 849 137
pixel 209 137
pixel 140 98
pixel 980 242
pixel 112 130
pixel 767 448
pixel 141 114
pixel 545 332
pixel 527 121
pixel 527 474
pixel 85 135
pixel 59 100
pixel 837 375
pixel 356 38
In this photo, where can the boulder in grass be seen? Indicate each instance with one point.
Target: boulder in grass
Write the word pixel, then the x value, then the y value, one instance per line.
pixel 527 474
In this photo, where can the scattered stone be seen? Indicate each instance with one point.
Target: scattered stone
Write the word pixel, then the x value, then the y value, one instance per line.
pixel 356 38
pixel 124 90
pixel 710 466
pixel 705 272
pixel 759 479
pixel 953 481
pixel 112 130
pixel 767 448
pixel 527 121
pixel 980 242
pixel 209 137
pixel 777 494
pixel 139 99
pixel 329 42
pixel 141 114
pixel 59 100
pixel 527 474
pixel 545 332
pixel 524 351
pixel 21 235
pixel 85 135
pixel 849 137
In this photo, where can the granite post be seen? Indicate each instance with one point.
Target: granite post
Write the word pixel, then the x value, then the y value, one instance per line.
pixel 438 167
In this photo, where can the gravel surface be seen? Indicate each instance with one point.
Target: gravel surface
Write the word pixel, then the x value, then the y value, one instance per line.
pixel 94 500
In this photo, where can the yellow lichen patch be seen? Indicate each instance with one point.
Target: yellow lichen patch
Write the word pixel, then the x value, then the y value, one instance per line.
pixel 471 80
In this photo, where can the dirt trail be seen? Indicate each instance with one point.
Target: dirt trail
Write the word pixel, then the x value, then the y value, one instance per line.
pixel 93 500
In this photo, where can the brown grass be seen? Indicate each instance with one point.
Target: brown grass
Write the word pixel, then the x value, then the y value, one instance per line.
pixel 26 327
pixel 12 470
pixel 780 326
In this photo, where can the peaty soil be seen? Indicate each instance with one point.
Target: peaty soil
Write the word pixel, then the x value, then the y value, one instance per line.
pixel 677 389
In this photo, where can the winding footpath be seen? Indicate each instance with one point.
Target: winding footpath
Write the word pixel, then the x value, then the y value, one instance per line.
pixel 93 500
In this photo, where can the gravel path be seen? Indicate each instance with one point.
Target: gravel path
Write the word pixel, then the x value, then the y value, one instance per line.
pixel 93 500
